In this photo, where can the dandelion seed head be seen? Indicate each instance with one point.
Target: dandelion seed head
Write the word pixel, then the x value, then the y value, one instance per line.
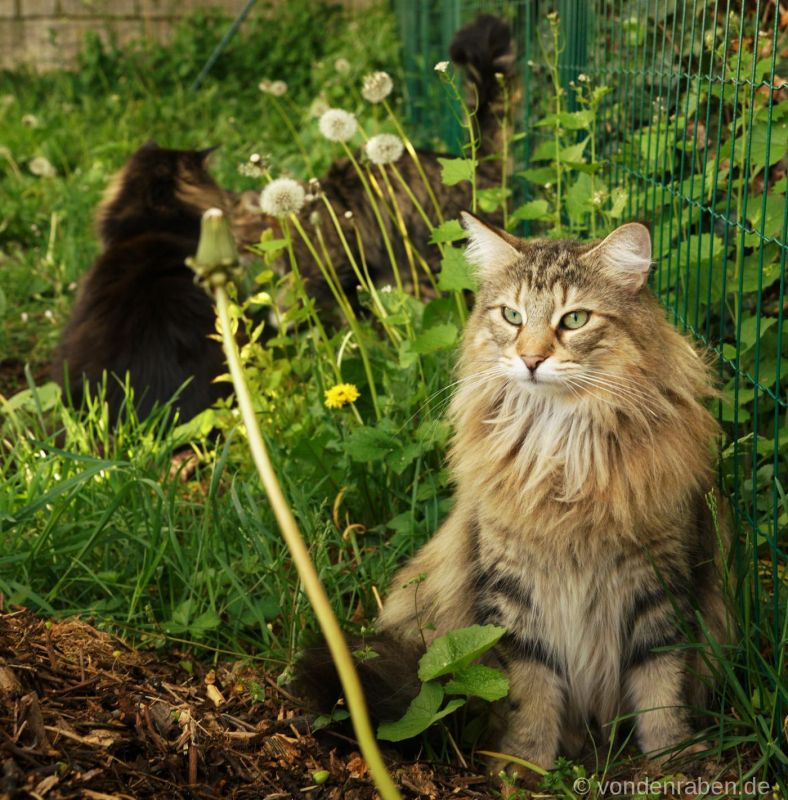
pixel 30 121
pixel 49 315
pixel 376 87
pixel 342 66
pixel 338 125
pixel 318 107
pixel 41 167
pixel 281 197
pixel 348 215
pixel 276 88
pixel 385 148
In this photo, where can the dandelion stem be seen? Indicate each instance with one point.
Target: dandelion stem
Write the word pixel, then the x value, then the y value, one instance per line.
pixel 376 211
pixel 415 158
pixel 302 293
pixel 306 570
pixel 293 132
pixel 347 311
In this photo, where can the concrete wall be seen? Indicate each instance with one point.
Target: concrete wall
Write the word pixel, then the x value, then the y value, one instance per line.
pixel 49 33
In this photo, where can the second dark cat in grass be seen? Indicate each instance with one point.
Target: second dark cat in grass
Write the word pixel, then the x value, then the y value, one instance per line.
pixel 138 309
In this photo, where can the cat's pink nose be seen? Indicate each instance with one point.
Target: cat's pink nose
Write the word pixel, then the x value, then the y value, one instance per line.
pixel 532 362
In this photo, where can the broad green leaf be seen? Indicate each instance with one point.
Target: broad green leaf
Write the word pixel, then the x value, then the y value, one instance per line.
pixel 455 170
pixel 449 231
pixel 423 711
pixel 571 120
pixel 371 444
pixel 778 142
pixel 477 680
pixel 579 198
pixel 431 340
pixel 540 175
pixel 46 396
pixel 534 209
pixel 545 151
pixel 618 200
pixel 324 720
pixel 750 333
pixel 456 274
pixel 491 199
pixel 270 245
pixel 574 152
pixel 457 649
pixel 751 269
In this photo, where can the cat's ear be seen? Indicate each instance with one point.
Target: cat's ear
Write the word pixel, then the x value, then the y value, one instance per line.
pixel 625 254
pixel 489 249
pixel 206 151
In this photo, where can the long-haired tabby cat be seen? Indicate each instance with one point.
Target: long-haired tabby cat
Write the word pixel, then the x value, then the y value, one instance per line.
pixel 582 456
pixel 485 50
pixel 138 309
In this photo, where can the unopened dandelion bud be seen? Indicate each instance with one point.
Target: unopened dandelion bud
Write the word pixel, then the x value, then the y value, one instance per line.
pixel 216 253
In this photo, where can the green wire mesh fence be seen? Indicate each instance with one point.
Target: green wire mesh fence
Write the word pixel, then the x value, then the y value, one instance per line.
pixel 691 136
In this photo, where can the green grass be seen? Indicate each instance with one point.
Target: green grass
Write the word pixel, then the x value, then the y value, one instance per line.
pixel 92 523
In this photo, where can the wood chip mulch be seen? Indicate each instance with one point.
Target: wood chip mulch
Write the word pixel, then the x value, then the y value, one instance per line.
pixel 82 715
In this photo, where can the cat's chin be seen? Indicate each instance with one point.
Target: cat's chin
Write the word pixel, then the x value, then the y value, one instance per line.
pixel 544 385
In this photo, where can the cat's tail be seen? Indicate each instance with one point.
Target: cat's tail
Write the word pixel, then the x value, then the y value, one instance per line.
pixel 485 49
pixel 387 667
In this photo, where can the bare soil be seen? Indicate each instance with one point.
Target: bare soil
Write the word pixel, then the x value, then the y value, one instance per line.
pixel 83 715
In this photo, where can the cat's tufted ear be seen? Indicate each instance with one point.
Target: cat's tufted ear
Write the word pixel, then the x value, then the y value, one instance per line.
pixel 489 249
pixel 625 254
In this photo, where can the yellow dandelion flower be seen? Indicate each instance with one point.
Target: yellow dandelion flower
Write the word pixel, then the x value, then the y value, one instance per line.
pixel 341 394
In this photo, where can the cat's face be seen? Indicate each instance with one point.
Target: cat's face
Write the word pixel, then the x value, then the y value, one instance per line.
pixel 556 316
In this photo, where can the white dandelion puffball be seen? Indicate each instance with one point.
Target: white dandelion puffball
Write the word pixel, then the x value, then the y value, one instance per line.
pixel 342 66
pixel 276 88
pixel 441 66
pixel 376 87
pixel 338 125
pixel 281 197
pixel 318 107
pixel 42 167
pixel 385 148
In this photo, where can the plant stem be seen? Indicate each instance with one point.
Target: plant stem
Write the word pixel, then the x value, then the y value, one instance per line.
pixel 415 158
pixel 293 132
pixel 348 312
pixel 307 573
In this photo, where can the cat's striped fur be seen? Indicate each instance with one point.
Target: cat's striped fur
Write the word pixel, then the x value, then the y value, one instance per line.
pixel 582 459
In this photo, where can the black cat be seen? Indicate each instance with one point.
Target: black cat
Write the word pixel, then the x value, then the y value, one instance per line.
pixel 138 309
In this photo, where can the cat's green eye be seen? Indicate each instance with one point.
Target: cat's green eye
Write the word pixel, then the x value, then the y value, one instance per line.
pixel 511 316
pixel 574 320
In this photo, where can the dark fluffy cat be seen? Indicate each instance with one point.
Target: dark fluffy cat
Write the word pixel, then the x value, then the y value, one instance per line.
pixel 138 309
pixel 485 50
